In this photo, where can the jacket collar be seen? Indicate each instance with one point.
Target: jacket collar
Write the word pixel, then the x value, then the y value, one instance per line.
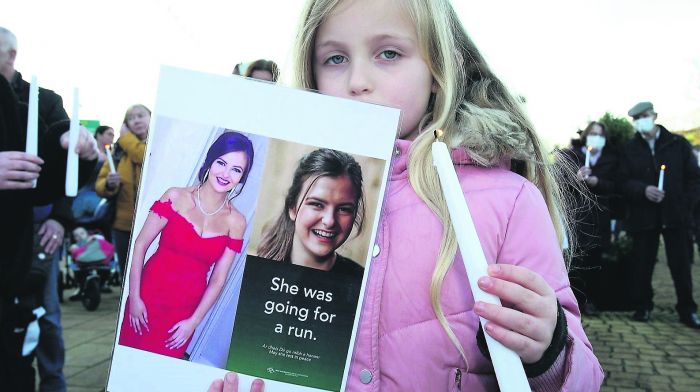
pixel 663 139
pixel 399 168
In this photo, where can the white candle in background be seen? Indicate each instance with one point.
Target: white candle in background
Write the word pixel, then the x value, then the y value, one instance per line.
pixel 72 163
pixel 108 150
pixel 661 177
pixel 32 146
pixel 507 364
pixel 588 157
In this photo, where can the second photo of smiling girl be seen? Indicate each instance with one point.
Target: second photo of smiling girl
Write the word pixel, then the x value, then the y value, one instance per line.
pixel 314 212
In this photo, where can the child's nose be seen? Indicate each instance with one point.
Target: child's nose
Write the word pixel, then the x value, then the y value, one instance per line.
pixel 328 218
pixel 360 81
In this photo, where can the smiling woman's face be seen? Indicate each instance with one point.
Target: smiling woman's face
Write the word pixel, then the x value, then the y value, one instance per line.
pixel 227 170
pixel 323 219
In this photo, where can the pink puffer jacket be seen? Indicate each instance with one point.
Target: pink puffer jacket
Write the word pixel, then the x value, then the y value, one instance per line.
pixel 400 345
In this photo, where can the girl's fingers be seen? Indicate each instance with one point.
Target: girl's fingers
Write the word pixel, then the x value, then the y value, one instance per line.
pixel 258 385
pixel 216 386
pixel 525 347
pixel 521 276
pixel 513 320
pixel 523 299
pixel 231 382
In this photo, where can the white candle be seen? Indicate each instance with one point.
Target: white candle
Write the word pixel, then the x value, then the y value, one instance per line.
pixel 507 364
pixel 72 163
pixel 661 177
pixel 108 150
pixel 588 157
pixel 32 146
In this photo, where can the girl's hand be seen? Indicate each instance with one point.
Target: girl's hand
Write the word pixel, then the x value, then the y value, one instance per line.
pixel 527 326
pixel 230 384
pixel 138 316
pixel 181 332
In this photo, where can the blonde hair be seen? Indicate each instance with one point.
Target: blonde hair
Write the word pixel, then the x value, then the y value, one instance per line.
pixel 471 105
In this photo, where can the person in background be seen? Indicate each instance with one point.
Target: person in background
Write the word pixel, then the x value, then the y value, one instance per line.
pixel 654 211
pixel 262 70
pixel 122 185
pixel 104 135
pixel 27 281
pixel 592 215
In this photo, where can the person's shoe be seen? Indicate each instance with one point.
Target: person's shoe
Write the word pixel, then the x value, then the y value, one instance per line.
pixel 589 309
pixel 641 315
pixel 691 319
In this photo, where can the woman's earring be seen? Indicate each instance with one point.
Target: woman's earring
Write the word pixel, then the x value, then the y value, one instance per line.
pixel 206 176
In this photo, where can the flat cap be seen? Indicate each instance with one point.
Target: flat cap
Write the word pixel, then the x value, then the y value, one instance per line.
pixel 640 108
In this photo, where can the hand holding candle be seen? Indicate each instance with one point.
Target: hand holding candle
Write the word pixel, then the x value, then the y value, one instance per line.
pixel 661 177
pixel 507 364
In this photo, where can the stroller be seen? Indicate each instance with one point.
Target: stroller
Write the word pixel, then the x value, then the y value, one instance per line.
pixel 92 262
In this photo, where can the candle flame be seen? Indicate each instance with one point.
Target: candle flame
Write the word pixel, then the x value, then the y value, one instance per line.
pixel 663 167
pixel 439 133
pixel 590 148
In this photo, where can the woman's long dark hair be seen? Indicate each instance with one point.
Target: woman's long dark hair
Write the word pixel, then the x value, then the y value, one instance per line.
pixel 276 243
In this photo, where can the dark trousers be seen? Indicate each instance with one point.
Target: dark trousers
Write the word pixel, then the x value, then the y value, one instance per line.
pixel 121 246
pixel 16 371
pixel 645 248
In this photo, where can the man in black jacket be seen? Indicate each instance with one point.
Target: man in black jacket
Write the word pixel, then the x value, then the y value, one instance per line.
pixel 20 289
pixel 655 211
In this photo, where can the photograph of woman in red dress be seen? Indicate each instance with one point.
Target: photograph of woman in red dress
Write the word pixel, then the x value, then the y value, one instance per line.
pixel 200 231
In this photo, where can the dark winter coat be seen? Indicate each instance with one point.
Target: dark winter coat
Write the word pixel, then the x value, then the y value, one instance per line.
pixel 640 168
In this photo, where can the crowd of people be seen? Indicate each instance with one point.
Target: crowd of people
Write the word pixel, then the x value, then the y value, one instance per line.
pixel 37 218
pixel 439 80
pixel 656 178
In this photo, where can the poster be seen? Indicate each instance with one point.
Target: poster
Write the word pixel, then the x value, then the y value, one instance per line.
pixel 255 217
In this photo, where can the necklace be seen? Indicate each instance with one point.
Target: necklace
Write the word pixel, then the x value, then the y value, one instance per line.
pixel 199 204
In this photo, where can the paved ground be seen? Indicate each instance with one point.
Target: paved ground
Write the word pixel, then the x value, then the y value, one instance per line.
pixel 661 355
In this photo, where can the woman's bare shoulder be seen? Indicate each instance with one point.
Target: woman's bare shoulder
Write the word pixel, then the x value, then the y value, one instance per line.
pixel 236 222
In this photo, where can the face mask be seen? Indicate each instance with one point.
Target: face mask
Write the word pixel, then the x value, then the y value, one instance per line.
pixel 644 125
pixel 596 142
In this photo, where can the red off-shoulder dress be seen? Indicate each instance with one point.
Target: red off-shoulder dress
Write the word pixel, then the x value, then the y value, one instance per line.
pixel 173 280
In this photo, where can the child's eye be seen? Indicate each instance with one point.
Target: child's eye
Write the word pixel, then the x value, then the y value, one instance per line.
pixel 347 210
pixel 314 204
pixel 389 55
pixel 336 59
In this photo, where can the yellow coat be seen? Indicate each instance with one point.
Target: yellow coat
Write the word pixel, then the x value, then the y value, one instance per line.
pixel 129 169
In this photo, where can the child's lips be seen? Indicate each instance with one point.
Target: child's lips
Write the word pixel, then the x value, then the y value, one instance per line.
pixel 324 235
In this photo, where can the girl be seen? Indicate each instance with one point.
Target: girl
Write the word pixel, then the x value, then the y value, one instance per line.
pixel 170 295
pixel 323 203
pixel 129 151
pixel 419 324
